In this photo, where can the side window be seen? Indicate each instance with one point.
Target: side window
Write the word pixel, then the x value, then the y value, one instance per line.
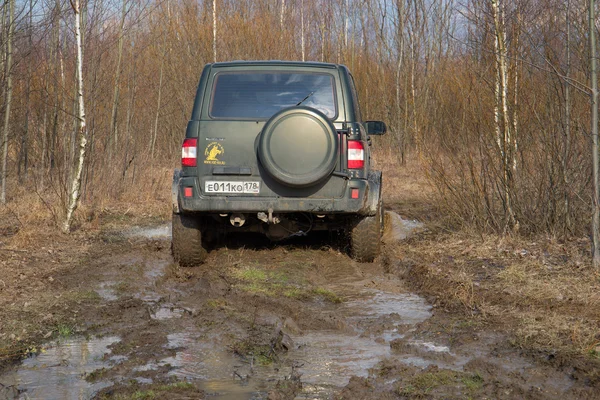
pixel 355 99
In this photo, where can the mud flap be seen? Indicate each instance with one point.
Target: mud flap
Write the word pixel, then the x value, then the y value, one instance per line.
pixel 373 200
pixel 175 190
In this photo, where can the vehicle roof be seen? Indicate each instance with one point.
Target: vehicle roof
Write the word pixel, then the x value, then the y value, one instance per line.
pixel 278 63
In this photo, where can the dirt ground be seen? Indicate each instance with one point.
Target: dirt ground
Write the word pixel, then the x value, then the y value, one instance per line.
pixel 105 313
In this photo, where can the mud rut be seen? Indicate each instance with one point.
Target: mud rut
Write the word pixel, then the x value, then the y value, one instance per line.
pixel 321 320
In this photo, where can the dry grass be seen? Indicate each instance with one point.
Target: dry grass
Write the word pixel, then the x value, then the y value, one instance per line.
pixel 405 189
pixel 31 217
pixel 542 292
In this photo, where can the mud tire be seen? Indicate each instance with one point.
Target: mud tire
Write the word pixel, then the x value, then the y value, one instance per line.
pixel 365 237
pixel 187 245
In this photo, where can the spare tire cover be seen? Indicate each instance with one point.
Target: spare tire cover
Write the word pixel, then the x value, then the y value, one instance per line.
pixel 298 146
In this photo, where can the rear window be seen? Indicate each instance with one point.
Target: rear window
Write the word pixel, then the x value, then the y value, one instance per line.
pixel 260 95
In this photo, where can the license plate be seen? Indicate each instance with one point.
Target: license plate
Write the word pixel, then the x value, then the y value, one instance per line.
pixel 231 187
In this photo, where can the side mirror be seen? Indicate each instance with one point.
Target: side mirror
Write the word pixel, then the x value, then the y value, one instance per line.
pixel 375 127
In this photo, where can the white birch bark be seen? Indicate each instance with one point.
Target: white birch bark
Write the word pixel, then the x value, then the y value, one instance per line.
pixel 503 128
pixel 75 192
pixel 346 24
pixel 400 49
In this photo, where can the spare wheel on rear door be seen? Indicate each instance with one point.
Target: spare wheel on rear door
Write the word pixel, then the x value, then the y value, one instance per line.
pixel 298 146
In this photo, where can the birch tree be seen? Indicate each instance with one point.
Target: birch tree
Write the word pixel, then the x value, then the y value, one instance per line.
pixel 501 112
pixel 75 187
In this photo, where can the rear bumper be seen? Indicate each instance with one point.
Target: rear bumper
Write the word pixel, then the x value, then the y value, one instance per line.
pixel 248 203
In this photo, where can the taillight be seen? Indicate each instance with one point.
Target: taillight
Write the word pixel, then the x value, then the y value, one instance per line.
pixel 188 152
pixel 356 154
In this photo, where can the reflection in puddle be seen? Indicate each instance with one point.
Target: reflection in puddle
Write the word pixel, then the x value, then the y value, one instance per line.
pixel 168 312
pixel 59 372
pixel 329 359
pixel 155 269
pixel 325 360
pixel 107 291
pixel 397 228
pixel 157 232
pixel 411 308
pixel 219 371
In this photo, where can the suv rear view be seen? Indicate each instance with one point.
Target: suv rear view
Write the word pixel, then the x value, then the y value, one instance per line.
pixel 277 148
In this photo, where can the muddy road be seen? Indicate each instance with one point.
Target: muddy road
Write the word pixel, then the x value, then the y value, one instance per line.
pixel 299 320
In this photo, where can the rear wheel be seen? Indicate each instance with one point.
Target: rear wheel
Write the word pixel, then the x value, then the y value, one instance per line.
pixel 365 237
pixel 187 244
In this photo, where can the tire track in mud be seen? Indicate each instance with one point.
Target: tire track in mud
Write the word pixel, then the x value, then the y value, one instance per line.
pixel 255 321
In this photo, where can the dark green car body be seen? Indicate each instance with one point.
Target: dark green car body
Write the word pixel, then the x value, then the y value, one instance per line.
pixel 269 143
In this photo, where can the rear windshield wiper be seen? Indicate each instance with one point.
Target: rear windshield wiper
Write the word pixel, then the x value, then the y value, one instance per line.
pixel 306 98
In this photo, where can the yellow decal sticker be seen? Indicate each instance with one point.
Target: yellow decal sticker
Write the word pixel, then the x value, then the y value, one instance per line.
pixel 213 151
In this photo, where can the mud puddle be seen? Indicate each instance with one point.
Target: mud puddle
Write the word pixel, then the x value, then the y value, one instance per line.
pixel 327 360
pixel 156 232
pixel 215 369
pixel 59 371
pixel 371 318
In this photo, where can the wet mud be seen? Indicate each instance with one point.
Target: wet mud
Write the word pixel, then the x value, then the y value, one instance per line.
pixel 296 321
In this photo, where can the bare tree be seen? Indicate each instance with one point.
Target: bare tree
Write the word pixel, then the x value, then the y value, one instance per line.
pixel 501 112
pixel 75 187
pixel 595 145
pixel 7 97
pixel 214 13
pixel 302 30
pixel 113 138
pixel 24 153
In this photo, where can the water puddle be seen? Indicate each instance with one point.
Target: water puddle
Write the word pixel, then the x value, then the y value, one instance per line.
pixel 398 228
pixel 167 311
pixel 325 360
pixel 59 371
pixel 329 359
pixel 216 369
pixel 107 291
pixel 155 269
pixel 156 232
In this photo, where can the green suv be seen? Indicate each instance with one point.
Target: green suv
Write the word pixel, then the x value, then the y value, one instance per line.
pixel 277 148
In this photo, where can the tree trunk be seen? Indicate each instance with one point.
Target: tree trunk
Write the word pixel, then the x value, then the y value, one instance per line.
pixel 302 29
pixel 503 128
pixel 24 154
pixel 76 183
pixel 113 137
pixel 8 98
pixel 595 149
pixel 158 104
pixel 214 10
pixel 129 117
pixel 567 139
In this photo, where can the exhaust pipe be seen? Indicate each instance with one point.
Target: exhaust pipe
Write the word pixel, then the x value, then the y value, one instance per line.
pixel 238 220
